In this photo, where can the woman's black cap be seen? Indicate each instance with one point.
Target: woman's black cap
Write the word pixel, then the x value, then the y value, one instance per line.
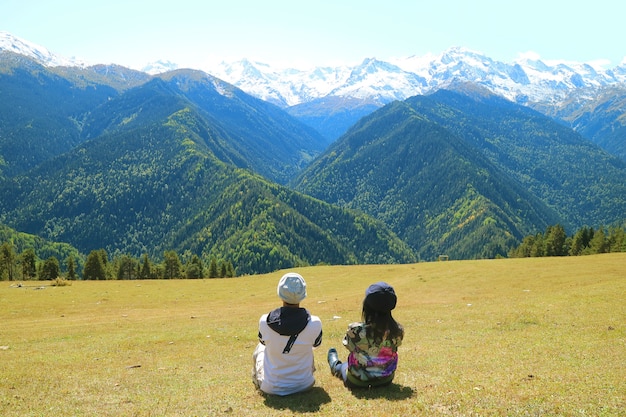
pixel 381 297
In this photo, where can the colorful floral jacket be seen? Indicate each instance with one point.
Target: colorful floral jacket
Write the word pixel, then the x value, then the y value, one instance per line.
pixel 368 360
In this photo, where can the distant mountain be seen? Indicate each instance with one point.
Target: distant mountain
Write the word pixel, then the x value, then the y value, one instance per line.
pixel 160 187
pixel 440 195
pixel 105 156
pixel 270 142
pixel 159 167
pixel 522 81
pixel 581 182
pixel 527 81
pixel 118 77
pixel 332 116
pixel 313 94
pixel 467 174
pixel 10 43
pixel 598 114
pixel 68 105
pixel 159 67
pixel 41 112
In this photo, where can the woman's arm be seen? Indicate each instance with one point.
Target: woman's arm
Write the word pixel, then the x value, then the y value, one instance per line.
pixel 353 336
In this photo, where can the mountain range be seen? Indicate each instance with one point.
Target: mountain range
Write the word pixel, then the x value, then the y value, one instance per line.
pixel 331 99
pixel 525 80
pixel 172 164
pixel 383 162
pixel 458 172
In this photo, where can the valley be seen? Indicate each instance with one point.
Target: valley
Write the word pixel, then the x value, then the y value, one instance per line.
pixel 136 164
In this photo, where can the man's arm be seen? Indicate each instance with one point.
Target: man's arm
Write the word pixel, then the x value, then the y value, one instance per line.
pixel 318 340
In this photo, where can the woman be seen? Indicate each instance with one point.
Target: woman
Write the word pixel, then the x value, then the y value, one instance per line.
pixel 373 343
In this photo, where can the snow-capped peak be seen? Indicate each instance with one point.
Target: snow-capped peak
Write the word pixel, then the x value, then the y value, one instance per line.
pixel 159 67
pixel 11 43
pixel 529 78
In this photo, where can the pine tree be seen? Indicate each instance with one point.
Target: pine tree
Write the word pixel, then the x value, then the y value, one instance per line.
pixel 171 265
pixel 213 269
pixel 28 260
pixel 539 248
pixel 524 249
pixel 126 267
pixel 555 241
pixel 598 243
pixel 578 243
pixel 7 261
pixel 230 271
pixel 94 268
pixel 146 268
pixel 50 270
pixel 194 268
pixel 104 259
pixel 616 239
pixel 71 268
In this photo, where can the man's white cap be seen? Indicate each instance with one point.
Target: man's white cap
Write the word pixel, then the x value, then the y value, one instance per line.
pixel 292 288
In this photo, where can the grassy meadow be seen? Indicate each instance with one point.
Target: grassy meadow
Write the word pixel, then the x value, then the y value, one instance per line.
pixel 510 337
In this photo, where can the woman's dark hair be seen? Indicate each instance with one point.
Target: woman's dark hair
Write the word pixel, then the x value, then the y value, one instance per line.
pixel 379 322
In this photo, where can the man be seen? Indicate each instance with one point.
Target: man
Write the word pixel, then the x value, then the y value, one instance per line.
pixel 283 359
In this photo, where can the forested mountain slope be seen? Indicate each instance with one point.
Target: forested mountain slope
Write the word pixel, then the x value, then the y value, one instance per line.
pixel 467 176
pixel 433 189
pixel 45 112
pixel 106 157
pixel 150 183
pixel 332 116
pixel 40 113
pixel 581 182
pixel 42 248
pixel 271 142
pixel 599 114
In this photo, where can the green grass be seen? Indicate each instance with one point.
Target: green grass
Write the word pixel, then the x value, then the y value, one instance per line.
pixel 517 337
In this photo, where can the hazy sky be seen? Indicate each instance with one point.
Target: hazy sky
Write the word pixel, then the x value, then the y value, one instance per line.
pixel 322 32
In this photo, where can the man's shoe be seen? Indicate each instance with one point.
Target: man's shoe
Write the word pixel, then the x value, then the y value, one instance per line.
pixel 334 362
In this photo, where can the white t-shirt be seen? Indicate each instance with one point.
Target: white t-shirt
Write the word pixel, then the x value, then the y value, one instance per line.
pixel 287 373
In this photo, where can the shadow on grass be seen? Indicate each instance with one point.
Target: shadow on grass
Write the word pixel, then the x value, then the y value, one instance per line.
pixel 391 392
pixel 304 402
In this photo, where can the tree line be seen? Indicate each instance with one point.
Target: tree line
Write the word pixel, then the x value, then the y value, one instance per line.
pixel 99 266
pixel 586 241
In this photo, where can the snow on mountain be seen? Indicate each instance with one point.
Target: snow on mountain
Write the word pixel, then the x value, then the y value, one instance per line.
pixel 159 67
pixel 284 87
pixel 380 82
pixel 42 55
pixel 526 80
pixel 620 71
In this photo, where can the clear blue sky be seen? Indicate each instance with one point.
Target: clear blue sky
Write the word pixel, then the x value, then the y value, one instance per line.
pixel 322 32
